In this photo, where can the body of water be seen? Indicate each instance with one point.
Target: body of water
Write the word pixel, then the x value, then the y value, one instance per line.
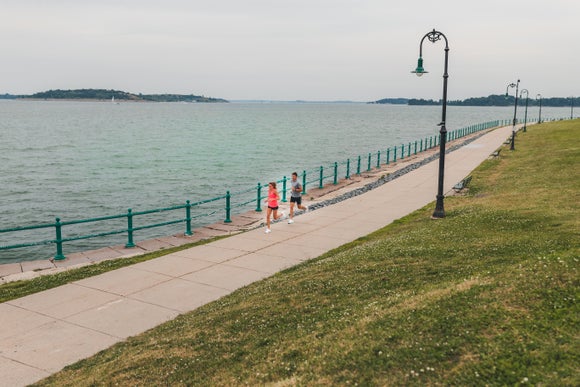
pixel 78 160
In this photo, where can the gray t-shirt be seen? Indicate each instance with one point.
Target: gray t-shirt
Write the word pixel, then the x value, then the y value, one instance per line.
pixel 296 189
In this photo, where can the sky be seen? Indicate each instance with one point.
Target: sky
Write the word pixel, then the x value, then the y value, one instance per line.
pixel 315 50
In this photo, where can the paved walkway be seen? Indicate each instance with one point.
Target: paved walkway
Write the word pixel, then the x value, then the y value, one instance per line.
pixel 43 332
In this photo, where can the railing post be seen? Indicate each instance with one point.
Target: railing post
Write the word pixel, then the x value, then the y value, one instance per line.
pixel 388 155
pixel 415 146
pixel 130 242
pixel 188 218
pixel 284 190
pixel 335 182
pixel 378 159
pixel 347 169
pixel 320 185
pixel 59 255
pixel 358 166
pixel 228 207
pixel 402 151
pixel 394 154
pixel 304 182
pixel 369 166
pixel 259 197
pixel 409 150
pixel 421 145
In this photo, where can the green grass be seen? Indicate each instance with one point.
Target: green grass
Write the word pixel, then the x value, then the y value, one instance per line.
pixel 486 296
pixel 17 289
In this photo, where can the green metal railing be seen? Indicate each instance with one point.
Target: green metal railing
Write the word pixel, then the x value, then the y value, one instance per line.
pixel 133 221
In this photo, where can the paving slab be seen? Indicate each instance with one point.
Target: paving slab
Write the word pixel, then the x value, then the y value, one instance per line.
pixel 211 253
pixel 153 244
pixel 319 218
pixel 37 265
pixel 63 301
pixel 302 226
pixel 17 374
pixel 299 252
pixel 226 276
pixel 349 230
pixel 103 254
pixel 249 244
pixel 9 269
pixel 267 264
pixel 126 251
pixel 123 317
pixel 173 265
pixel 51 346
pixel 323 240
pixel 176 240
pixel 124 281
pixel 279 234
pixel 72 260
pixel 207 232
pixel 15 321
pixel 180 295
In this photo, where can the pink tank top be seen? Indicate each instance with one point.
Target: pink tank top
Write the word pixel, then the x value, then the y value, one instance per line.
pixel 272 199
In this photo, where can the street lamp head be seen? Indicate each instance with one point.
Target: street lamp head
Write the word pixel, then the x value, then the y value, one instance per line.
pixel 508 87
pixel 419 70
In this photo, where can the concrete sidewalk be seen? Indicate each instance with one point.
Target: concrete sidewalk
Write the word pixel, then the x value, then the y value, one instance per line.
pixel 43 332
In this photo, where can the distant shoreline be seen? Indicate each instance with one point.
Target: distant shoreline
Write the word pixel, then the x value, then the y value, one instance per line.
pixel 115 96
pixel 117 101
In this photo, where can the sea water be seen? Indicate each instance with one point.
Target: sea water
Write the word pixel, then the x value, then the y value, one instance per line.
pixel 78 160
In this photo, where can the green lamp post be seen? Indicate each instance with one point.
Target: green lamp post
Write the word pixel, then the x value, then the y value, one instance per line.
pixel 526 111
pixel 433 37
pixel 516 85
pixel 540 113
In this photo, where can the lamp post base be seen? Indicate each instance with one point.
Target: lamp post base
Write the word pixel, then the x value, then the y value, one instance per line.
pixel 512 146
pixel 439 212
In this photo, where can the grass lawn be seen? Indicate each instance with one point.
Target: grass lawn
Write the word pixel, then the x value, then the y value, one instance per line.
pixel 486 296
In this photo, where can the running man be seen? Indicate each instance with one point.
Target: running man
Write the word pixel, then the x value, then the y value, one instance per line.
pixel 295 196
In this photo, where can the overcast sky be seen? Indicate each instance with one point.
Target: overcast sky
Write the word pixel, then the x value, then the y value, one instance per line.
pixel 359 50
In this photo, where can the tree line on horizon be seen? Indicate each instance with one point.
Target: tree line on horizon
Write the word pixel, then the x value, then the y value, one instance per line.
pixel 117 95
pixel 491 100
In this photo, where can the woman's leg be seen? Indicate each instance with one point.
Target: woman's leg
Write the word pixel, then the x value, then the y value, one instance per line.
pixel 268 214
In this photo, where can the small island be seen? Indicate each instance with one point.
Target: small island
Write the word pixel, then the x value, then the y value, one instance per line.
pixel 114 95
pixel 491 100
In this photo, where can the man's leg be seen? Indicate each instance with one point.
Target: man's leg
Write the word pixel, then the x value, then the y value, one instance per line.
pixel 299 204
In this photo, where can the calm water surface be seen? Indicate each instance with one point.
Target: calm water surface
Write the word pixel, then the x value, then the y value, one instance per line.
pixel 77 160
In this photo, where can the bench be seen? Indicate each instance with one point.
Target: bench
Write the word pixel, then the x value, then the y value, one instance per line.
pixel 462 184
pixel 496 153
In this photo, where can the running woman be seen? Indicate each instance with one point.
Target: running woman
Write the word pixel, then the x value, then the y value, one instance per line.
pixel 273 197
